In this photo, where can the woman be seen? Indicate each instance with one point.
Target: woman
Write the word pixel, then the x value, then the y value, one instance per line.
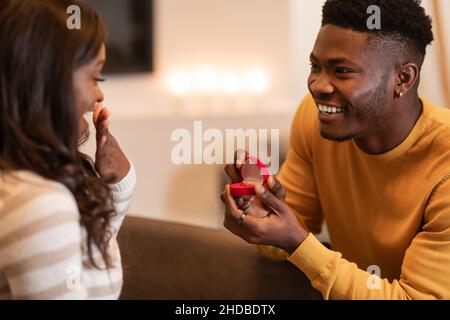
pixel 59 212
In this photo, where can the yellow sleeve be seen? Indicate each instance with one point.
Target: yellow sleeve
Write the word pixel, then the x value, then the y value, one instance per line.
pixel 296 174
pixel 425 270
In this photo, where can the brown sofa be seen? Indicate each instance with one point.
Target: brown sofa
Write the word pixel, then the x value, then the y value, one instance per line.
pixel 165 260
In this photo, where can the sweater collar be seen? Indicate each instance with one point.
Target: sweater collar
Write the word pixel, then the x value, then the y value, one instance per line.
pixel 405 145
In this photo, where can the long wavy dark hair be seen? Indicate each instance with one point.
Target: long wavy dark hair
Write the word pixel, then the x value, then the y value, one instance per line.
pixel 39 121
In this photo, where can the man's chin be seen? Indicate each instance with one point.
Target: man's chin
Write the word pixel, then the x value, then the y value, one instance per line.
pixel 336 138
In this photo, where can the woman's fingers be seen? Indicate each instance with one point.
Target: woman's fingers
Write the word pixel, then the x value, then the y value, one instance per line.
pixel 103 116
pixel 102 125
pixel 98 107
pixel 100 114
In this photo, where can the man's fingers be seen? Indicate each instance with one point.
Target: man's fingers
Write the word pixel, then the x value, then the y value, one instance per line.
pixel 243 202
pixel 233 173
pixel 239 158
pixel 239 222
pixel 270 200
pixel 231 204
pixel 234 170
pixel 231 225
pixel 223 194
pixel 276 188
pixel 233 211
pixel 245 229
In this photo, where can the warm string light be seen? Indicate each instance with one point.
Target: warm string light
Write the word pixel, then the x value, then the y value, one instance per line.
pixel 209 81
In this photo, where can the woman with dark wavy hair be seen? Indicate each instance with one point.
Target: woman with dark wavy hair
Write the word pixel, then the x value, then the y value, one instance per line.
pixel 59 211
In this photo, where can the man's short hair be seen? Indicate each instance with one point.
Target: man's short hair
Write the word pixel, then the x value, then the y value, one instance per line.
pixel 401 20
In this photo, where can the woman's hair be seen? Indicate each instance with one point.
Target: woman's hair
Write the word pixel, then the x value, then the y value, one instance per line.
pixel 39 121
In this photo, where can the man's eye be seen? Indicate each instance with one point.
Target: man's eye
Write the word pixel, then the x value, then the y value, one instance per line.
pixel 314 67
pixel 343 70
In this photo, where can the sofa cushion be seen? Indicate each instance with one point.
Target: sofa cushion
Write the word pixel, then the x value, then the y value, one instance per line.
pixel 166 260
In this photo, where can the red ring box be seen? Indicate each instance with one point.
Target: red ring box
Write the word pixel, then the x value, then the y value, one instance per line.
pixel 253 172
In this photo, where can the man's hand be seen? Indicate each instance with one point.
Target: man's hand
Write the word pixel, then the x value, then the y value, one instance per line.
pixel 251 204
pixel 280 228
pixel 234 170
pixel 110 161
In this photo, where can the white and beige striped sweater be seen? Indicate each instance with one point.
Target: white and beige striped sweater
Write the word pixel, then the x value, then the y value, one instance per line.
pixel 43 247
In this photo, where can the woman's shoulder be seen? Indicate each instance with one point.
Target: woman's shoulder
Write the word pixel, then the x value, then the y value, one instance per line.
pixel 40 232
pixel 28 194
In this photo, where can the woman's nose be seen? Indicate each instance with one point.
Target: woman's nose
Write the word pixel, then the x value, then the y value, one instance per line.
pixel 100 97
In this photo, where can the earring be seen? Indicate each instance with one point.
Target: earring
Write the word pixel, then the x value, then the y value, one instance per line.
pixel 400 94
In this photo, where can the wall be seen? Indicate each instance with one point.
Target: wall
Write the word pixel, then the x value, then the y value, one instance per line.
pixel 431 84
pixel 277 35
pixel 224 34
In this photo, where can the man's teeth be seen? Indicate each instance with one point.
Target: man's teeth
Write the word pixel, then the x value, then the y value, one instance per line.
pixel 327 109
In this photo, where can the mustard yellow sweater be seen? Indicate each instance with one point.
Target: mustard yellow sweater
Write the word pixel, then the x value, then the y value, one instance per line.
pixel 389 211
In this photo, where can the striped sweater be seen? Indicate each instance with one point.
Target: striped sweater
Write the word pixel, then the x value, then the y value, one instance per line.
pixel 43 247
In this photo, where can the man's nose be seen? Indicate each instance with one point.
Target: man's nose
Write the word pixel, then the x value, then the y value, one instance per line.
pixel 321 86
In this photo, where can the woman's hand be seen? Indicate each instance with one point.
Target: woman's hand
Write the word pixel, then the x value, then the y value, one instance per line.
pixel 280 228
pixel 110 161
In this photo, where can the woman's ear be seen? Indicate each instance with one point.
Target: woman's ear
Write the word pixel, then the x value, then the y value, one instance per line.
pixel 407 76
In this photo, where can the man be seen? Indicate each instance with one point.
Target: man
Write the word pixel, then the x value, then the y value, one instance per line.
pixel 369 157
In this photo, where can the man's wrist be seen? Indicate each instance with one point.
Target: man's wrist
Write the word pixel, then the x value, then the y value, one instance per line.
pixel 296 242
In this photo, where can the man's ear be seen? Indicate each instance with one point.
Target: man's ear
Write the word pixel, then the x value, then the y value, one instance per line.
pixel 407 76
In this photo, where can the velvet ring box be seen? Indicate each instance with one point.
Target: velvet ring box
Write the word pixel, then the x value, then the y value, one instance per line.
pixel 253 172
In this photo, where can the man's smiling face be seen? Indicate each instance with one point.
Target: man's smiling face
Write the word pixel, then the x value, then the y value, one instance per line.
pixel 352 84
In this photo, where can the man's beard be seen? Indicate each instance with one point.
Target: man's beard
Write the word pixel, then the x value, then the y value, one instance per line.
pixel 377 102
pixel 336 139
